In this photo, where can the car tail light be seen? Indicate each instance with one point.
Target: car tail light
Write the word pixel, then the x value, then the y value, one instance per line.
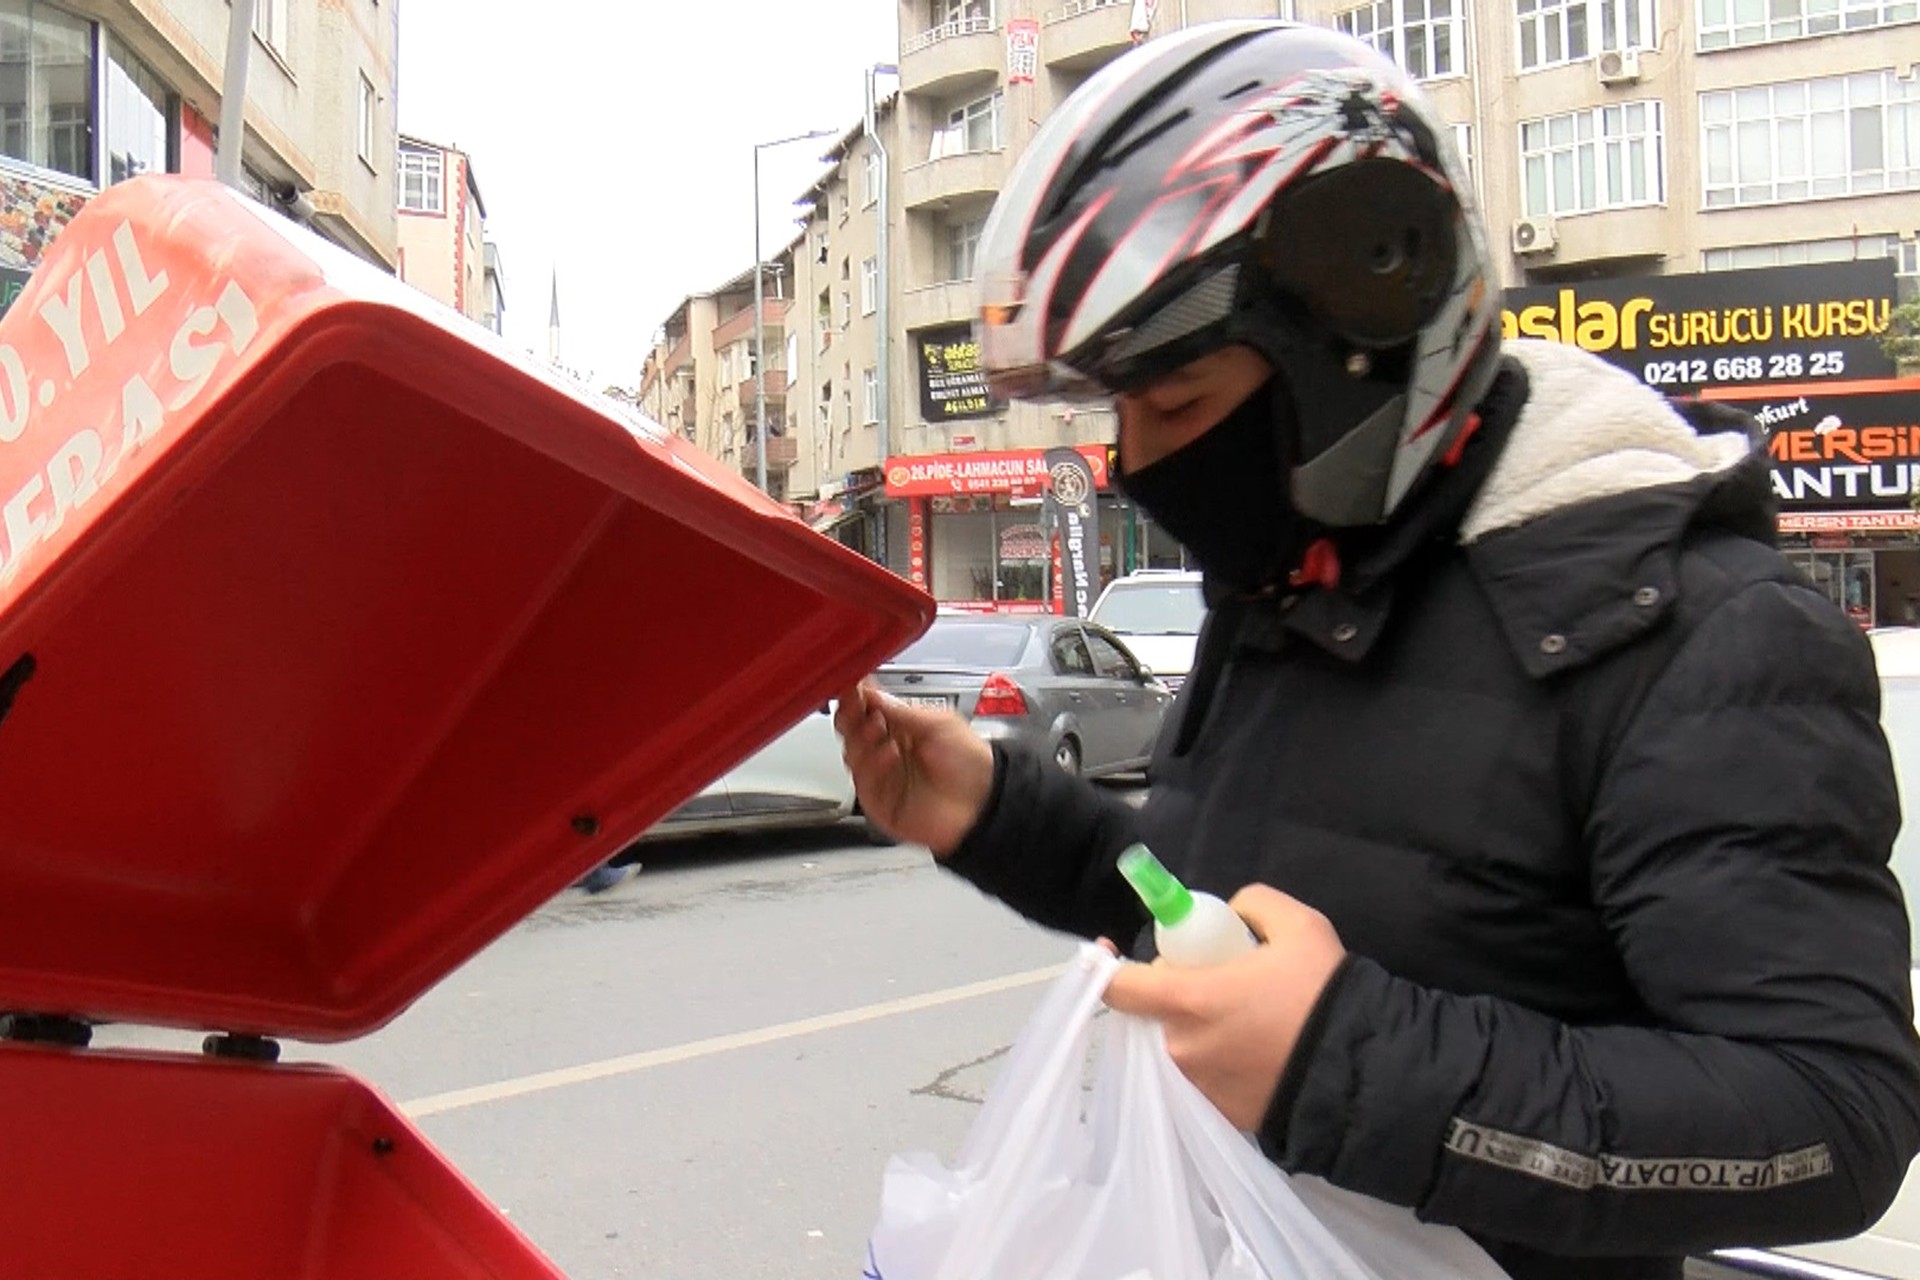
pixel 1000 696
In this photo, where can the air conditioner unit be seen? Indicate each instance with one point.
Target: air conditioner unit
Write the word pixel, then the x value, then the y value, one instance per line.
pixel 1621 66
pixel 1534 235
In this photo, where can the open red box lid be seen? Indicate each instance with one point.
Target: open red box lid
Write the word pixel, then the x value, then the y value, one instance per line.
pixel 337 637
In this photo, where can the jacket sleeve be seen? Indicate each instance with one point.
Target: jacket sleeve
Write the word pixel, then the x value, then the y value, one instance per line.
pixel 1739 850
pixel 1048 846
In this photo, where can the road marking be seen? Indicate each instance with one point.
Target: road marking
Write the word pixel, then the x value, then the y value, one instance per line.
pixel 628 1064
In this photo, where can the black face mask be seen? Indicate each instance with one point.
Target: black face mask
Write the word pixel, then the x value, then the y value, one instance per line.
pixel 1224 496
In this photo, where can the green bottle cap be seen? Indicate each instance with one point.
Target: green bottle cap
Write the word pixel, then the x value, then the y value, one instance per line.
pixel 1165 897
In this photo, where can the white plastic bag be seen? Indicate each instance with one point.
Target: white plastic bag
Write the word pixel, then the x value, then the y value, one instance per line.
pixel 1144 1180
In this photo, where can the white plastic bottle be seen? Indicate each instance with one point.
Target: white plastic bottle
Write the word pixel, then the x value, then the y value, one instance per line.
pixel 1190 928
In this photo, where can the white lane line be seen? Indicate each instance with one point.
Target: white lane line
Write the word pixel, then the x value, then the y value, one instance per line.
pixel 627 1064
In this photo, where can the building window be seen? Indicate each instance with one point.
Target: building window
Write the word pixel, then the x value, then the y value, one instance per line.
pixel 1463 148
pixel 140 115
pixel 869 286
pixel 1726 23
pixel 1625 24
pixel 872 168
pixel 422 175
pixel 970 128
pixel 1805 139
pixel 1908 263
pixel 870 399
pixel 1426 37
pixel 958 11
pixel 1798 252
pixel 270 23
pixel 846 307
pixel 963 242
pixel 1607 158
pixel 46 97
pixel 1552 32
pixel 369 106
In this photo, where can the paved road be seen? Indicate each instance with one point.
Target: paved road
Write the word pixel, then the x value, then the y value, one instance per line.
pixel 703 1071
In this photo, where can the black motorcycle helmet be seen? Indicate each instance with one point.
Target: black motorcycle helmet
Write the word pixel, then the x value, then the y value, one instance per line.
pixel 1263 183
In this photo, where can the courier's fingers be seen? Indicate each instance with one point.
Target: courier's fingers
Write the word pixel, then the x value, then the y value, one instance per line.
pixel 1149 991
pixel 1268 912
pixel 850 705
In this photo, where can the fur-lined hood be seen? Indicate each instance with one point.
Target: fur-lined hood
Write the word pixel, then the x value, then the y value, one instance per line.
pixel 1590 431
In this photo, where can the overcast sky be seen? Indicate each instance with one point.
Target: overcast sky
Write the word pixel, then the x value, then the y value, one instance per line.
pixel 613 142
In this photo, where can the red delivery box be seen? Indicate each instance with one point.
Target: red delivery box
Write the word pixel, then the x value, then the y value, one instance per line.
pixel 334 639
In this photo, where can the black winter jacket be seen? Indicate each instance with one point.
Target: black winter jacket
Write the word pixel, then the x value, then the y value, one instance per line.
pixel 1592 785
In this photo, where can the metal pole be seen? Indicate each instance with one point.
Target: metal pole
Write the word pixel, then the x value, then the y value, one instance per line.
pixel 886 271
pixel 233 94
pixel 759 344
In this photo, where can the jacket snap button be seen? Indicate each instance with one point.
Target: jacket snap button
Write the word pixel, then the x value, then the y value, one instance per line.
pixel 1553 644
pixel 1345 632
pixel 1647 597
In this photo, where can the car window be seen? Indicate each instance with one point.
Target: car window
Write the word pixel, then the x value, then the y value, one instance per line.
pixel 1070 656
pixel 1109 660
pixel 1152 608
pixel 965 643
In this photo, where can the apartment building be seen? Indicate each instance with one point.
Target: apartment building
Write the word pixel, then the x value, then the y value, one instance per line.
pixel 1653 140
pixel 700 381
pixel 848 392
pixel 443 246
pixel 99 91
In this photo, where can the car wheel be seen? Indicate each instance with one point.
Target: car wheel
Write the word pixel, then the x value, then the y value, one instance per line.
pixel 1067 756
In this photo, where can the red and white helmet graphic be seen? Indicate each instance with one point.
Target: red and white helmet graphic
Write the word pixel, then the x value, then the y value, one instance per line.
pixel 1263 183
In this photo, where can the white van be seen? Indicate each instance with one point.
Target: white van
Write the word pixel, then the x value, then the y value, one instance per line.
pixel 1156 613
pixel 1890 1249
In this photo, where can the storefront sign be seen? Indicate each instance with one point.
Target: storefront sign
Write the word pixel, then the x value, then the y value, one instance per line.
pixel 1019 472
pixel 952 384
pixel 32 213
pixel 1844 522
pixel 1022 542
pixel 12 281
pixel 1846 445
pixel 1023 49
pixel 917 544
pixel 1073 508
pixel 1721 328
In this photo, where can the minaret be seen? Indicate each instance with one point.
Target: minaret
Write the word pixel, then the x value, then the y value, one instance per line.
pixel 553 323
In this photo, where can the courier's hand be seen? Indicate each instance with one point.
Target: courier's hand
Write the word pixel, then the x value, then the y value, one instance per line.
pixel 1232 1027
pixel 922 774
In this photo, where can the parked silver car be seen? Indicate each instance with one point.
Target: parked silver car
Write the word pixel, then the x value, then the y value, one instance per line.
pixel 1067 688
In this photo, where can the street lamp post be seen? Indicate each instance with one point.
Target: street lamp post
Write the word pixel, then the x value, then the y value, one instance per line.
pixel 759 326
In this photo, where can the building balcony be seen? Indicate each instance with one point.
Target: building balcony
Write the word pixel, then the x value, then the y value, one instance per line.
pixel 782 452
pixel 936 184
pixel 740 323
pixel 776 393
pixel 681 354
pixel 953 54
pixel 1083 34
pixel 1559 247
pixel 950 302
